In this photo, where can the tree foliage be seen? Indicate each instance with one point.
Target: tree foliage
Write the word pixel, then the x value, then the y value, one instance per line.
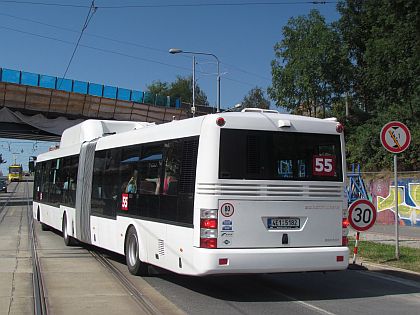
pixel 367 60
pixel 382 41
pixel 256 98
pixel 180 88
pixel 307 71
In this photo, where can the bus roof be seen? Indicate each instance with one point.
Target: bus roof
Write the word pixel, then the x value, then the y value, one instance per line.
pixel 114 133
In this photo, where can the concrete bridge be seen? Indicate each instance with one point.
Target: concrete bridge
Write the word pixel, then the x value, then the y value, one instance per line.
pixel 40 107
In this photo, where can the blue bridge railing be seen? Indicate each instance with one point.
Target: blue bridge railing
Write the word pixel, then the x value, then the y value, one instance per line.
pixel 94 89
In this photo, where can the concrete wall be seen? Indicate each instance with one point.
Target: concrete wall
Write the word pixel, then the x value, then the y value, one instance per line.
pixel 382 192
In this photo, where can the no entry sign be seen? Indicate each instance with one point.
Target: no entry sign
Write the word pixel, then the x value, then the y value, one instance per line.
pixel 362 215
pixel 395 137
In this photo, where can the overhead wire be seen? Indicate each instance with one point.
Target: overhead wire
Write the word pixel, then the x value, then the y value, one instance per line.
pixel 125 43
pixel 93 8
pixel 93 48
pixel 89 16
pixel 117 53
pixel 173 5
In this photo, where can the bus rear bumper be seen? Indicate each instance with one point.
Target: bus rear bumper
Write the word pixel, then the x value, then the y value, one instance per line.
pixel 272 260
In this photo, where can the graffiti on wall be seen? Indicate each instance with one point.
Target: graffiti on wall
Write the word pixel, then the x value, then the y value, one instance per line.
pixel 383 195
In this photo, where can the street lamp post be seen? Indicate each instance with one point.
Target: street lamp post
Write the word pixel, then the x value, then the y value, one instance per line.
pixel 180 51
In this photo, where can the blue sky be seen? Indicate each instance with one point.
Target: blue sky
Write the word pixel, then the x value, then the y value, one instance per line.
pixel 241 36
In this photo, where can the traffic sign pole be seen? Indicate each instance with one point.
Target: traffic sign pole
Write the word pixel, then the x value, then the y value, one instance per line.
pixel 362 216
pixel 356 247
pixel 397 240
pixel 395 137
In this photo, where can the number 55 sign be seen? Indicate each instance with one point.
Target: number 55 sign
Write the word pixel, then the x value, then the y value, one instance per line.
pixel 323 165
pixel 362 215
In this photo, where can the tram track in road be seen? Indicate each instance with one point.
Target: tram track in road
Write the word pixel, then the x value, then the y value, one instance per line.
pixel 6 203
pixel 48 298
pixel 141 300
pixel 39 292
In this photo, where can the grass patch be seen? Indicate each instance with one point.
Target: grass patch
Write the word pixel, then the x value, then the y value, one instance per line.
pixel 385 254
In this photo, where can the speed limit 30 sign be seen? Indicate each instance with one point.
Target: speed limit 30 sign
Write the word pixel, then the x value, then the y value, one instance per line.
pixel 362 215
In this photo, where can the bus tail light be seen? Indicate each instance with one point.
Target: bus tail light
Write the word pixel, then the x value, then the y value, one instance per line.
pixel 208 223
pixel 220 121
pixel 208 228
pixel 345 229
pixel 223 261
pixel 339 128
pixel 208 242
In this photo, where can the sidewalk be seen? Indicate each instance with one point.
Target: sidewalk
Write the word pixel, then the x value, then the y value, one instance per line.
pixel 382 233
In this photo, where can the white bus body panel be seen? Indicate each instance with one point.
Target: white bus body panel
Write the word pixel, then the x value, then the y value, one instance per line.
pixel 253 248
pixel 320 224
pixel 269 260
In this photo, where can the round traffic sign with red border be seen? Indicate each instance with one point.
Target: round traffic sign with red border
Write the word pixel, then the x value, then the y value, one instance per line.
pixel 395 137
pixel 362 215
pixel 227 209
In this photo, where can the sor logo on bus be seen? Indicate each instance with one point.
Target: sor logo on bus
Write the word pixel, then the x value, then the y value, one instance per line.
pixel 323 165
pixel 227 209
pixel 124 202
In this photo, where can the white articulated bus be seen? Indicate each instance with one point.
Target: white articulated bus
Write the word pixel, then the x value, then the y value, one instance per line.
pixel 245 192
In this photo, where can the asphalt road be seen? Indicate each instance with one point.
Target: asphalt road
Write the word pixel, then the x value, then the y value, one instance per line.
pixel 71 272
pixel 346 292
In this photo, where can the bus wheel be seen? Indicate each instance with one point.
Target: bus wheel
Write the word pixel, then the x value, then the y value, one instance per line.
pixel 134 264
pixel 44 227
pixel 68 240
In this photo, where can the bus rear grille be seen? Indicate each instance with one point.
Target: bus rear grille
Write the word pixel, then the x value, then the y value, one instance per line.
pixel 327 190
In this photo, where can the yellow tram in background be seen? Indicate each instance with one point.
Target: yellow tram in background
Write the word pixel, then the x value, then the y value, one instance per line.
pixel 15 173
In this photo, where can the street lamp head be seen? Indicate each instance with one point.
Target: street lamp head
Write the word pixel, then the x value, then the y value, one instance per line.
pixel 175 51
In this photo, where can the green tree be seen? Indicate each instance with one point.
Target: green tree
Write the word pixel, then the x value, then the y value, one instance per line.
pixel 180 88
pixel 382 42
pixel 307 72
pixel 159 87
pixel 256 98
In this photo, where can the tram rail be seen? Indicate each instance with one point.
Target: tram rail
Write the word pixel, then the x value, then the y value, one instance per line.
pixel 40 302
pixel 145 305
pixel 6 203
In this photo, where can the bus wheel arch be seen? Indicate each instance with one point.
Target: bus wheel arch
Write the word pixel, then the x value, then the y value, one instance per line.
pixel 132 253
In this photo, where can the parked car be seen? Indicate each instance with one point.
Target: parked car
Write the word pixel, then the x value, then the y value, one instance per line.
pixel 3 185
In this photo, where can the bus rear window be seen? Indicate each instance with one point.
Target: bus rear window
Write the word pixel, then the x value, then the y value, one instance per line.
pixel 269 155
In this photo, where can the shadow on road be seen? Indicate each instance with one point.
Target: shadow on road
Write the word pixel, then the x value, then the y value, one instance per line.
pixel 356 282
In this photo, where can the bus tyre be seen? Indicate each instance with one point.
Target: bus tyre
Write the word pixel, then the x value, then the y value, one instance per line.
pixel 134 264
pixel 68 240
pixel 44 227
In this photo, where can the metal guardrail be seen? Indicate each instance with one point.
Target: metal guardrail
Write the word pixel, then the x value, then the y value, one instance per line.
pixel 87 88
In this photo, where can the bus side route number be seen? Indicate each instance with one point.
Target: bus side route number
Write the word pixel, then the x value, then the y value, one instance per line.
pixel 323 165
pixel 124 202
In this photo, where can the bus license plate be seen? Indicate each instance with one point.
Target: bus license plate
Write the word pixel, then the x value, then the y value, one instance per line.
pixel 283 223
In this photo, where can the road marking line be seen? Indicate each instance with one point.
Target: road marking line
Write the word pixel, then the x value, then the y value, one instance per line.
pixel 307 305
pixel 392 278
